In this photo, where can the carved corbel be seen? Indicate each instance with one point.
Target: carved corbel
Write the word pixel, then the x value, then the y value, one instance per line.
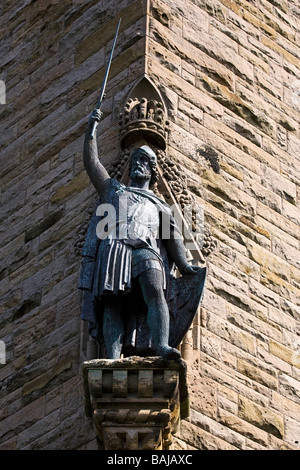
pixel 135 403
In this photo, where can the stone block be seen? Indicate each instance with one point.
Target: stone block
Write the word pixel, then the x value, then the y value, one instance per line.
pixel 124 59
pixel 53 400
pixel 262 194
pixel 251 155
pixel 271 44
pixel 258 23
pixel 71 396
pixel 278 184
pixel 263 294
pixel 23 418
pixel 102 36
pixel 225 330
pixel 243 128
pixel 236 103
pixel 193 112
pixel 216 183
pixel 291 211
pixel 165 57
pixel 285 405
pixel 211 344
pixel 41 428
pixel 257 374
pixel 184 141
pixel 289 387
pixel 250 431
pixel 44 379
pixel 230 277
pixel 277 224
pixel 227 405
pixel 218 430
pixel 226 54
pixel 284 116
pixel 201 439
pixel 186 90
pixel 256 323
pixel 269 83
pixel 268 260
pixel 286 289
pixel 246 265
pixel 193 59
pixel 286 321
pixel 76 185
pixel 291 356
pixel 45 224
pixel 214 303
pixel 228 394
pixel 263 418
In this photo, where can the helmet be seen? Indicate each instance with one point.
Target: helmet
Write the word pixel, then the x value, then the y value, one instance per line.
pixel 149 152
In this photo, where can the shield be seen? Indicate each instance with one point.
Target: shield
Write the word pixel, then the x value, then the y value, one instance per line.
pixel 185 296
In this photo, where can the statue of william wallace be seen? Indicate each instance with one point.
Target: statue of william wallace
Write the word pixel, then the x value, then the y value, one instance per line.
pixel 131 298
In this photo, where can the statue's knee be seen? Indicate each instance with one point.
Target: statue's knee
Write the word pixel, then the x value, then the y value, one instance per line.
pixel 151 282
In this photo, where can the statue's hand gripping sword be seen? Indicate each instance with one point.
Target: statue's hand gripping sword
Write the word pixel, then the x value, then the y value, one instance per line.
pixel 102 93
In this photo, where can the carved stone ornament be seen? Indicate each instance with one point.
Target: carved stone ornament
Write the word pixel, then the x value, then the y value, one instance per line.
pixel 143 117
pixel 135 403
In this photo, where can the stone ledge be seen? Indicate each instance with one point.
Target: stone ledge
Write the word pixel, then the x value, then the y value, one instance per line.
pixel 135 403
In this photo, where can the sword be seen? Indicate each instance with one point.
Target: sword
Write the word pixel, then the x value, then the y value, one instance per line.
pixel 102 93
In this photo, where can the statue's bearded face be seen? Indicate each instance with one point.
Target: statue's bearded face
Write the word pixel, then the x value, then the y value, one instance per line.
pixel 140 166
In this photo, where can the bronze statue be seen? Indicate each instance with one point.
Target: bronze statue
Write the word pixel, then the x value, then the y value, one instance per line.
pixel 128 270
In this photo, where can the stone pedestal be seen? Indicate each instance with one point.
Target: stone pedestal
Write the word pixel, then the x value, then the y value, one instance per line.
pixel 135 403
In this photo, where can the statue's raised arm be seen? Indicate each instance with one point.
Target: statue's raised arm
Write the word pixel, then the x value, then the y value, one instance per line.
pixel 96 171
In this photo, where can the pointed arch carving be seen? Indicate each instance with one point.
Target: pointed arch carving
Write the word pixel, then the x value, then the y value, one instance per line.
pixel 144 116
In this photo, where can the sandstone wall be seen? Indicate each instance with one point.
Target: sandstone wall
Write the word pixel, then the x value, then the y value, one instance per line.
pixel 53 57
pixel 229 72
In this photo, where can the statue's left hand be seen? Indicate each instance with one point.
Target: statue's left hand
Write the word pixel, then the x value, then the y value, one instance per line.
pixel 188 269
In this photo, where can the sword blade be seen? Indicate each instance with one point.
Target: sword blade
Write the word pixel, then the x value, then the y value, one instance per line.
pixel 102 93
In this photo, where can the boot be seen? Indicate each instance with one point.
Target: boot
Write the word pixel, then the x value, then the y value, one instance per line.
pixel 168 353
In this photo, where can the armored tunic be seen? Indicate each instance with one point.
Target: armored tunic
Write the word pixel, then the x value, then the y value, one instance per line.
pixel 131 241
pixel 110 264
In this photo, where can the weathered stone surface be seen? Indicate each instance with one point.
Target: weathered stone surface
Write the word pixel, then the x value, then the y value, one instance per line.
pixel 236 424
pixel 232 334
pixel 257 374
pixel 291 356
pixel 203 396
pixel 261 417
pixel 217 429
pixel 201 439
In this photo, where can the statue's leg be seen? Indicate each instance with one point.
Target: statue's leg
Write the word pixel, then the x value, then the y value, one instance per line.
pixel 113 328
pixel 151 282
